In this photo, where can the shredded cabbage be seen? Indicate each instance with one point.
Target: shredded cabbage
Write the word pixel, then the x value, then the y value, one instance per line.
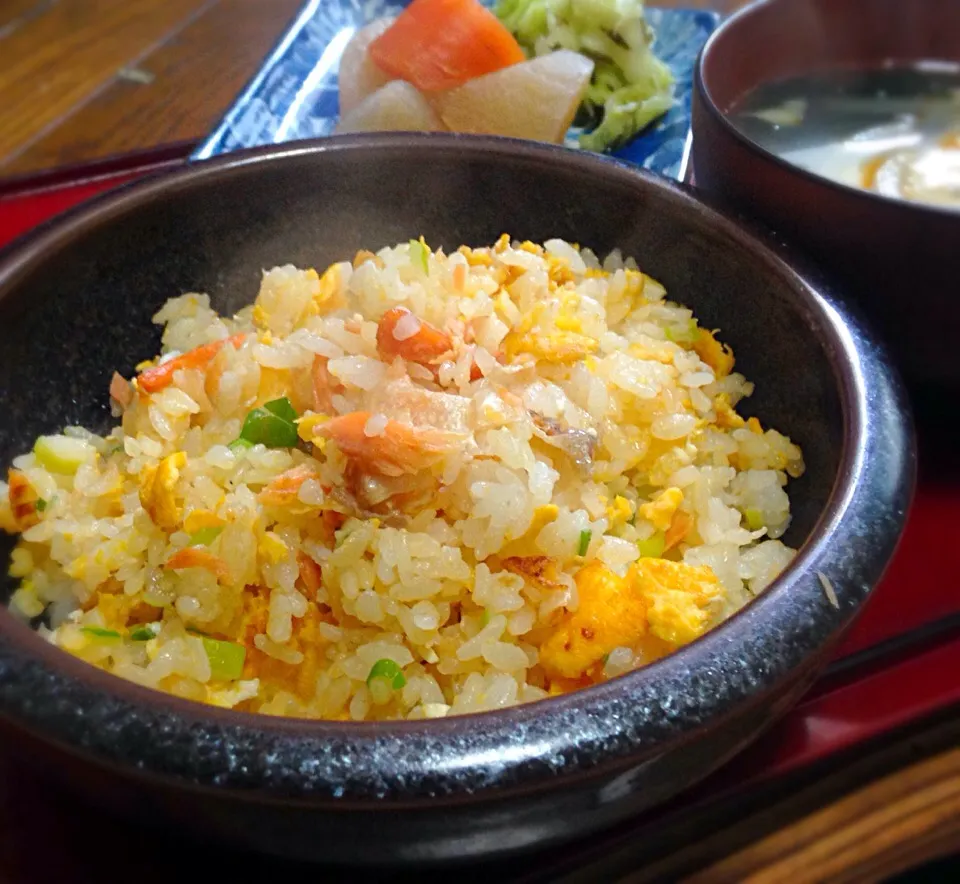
pixel 630 86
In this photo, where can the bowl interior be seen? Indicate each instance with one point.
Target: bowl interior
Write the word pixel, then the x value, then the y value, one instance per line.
pixel 78 306
pixel 778 39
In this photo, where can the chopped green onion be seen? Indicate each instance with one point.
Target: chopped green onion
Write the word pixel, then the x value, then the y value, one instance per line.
pixel 205 536
pixel 754 519
pixel 419 255
pixel 271 425
pixel 239 445
pixel 688 335
pixel 63 454
pixel 389 671
pixel 100 632
pixel 585 537
pixel 652 547
pixel 605 657
pixel 41 505
pixel 282 408
pixel 143 634
pixel 485 617
pixel 226 658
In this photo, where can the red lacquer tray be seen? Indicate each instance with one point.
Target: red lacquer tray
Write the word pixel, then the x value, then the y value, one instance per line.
pixel 898 663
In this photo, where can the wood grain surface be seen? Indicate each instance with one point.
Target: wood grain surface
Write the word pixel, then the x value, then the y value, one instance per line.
pixel 85 79
pixel 893 824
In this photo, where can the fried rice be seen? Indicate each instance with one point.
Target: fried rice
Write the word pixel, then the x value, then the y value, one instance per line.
pixel 418 484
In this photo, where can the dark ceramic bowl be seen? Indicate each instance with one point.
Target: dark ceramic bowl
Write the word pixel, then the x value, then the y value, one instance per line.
pixel 900 260
pixel 75 304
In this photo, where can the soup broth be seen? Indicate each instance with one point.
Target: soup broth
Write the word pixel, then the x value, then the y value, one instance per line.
pixel 893 131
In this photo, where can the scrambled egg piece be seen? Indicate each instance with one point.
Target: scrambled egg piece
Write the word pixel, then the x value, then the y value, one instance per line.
pixel 663 356
pixel 21 562
pixel 272 548
pixel 310 640
pixel 727 418
pixel 636 282
pixel 551 331
pixel 299 678
pixel 260 317
pixel 330 296
pixel 610 615
pixel 327 295
pixel 660 510
pixel 568 322
pixel 274 384
pixel 541 570
pixel 659 603
pixel 476 257
pixel 197 520
pixel 524 545
pixel 718 356
pixel 157 490
pixel 7 522
pixel 121 611
pixel 307 425
pixel 558 271
pixel 256 604
pixel 677 597
pixel 619 511
pixel 560 346
pixel 365 255
pixel 233 693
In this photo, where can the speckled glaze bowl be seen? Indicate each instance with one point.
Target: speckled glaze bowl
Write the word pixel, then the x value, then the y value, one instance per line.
pixel 75 304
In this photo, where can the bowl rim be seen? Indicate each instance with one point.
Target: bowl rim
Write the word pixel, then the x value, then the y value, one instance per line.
pixel 701 88
pixel 605 726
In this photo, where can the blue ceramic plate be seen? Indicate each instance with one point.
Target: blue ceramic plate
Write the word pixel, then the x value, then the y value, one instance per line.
pixel 294 95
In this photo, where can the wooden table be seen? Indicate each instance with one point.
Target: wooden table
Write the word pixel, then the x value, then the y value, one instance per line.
pixel 85 79
pixel 82 80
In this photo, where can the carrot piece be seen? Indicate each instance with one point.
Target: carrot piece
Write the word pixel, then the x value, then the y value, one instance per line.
pixel 330 522
pixel 193 557
pixel 325 385
pixel 120 390
pixel 439 44
pixel 425 346
pixel 309 573
pixel 283 490
pixel 460 277
pixel 398 450
pixel 155 379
